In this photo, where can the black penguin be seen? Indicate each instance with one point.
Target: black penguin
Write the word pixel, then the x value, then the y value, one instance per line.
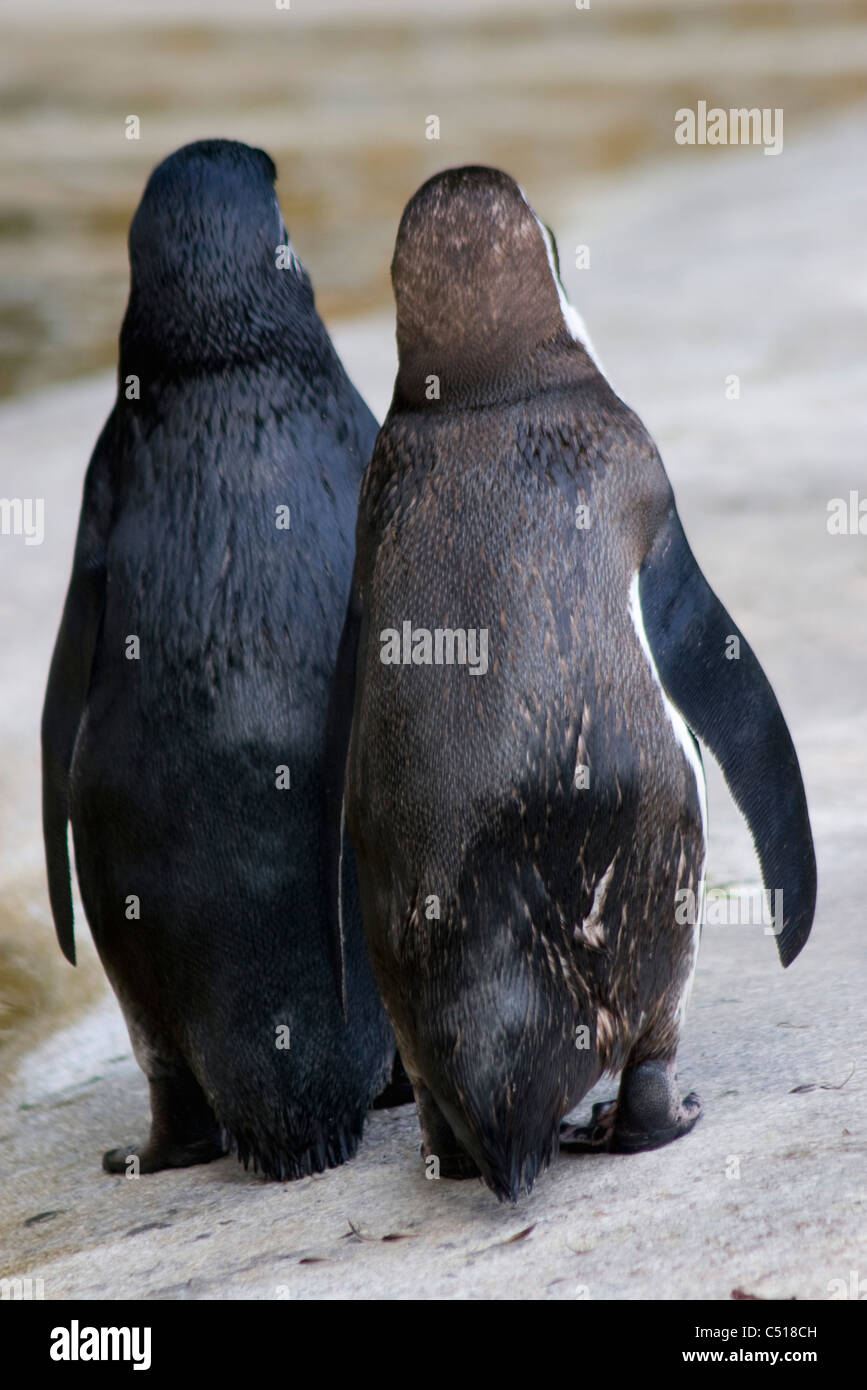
pixel 531 643
pixel 184 718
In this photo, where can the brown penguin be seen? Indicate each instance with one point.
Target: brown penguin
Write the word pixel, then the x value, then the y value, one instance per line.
pixel 531 645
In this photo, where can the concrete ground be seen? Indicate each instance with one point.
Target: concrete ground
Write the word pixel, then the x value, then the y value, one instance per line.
pixel 732 264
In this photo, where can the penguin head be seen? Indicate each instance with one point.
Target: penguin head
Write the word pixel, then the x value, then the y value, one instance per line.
pixel 477 288
pixel 212 271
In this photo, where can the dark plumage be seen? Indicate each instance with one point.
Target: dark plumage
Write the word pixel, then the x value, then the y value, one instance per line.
pixel 167 765
pixel 521 916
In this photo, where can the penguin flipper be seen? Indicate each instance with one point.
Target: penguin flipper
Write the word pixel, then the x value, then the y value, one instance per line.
pixel 728 703
pixel 69 680
pixel 337 733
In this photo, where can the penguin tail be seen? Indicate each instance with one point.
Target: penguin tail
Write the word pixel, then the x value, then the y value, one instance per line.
pixel 504 1119
pixel 509 1173
pixel 285 1159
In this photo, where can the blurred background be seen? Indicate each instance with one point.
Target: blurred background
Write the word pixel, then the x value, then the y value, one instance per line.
pixel 703 263
pixel 338 93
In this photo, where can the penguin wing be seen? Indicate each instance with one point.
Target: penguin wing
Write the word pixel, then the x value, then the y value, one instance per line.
pixel 338 729
pixel 728 703
pixel 69 679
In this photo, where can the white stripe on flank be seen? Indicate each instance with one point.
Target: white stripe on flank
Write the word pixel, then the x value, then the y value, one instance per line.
pixel 696 937
pixel 687 743
pixel 678 723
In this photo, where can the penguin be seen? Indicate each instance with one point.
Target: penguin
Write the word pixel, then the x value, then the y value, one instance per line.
pixel 184 719
pixel 529 657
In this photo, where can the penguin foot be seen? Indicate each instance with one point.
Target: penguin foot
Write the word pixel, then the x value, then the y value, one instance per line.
pixel 627 1141
pixel 184 1129
pixel 595 1137
pixel 152 1158
pixel 440 1141
pixel 647 1114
